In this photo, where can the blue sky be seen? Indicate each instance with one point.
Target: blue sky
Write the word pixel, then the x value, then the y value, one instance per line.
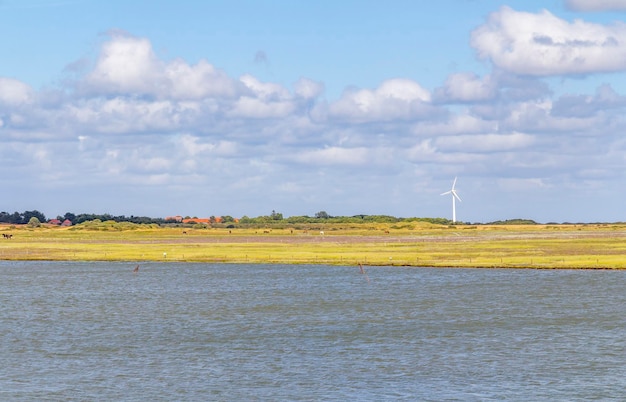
pixel 355 107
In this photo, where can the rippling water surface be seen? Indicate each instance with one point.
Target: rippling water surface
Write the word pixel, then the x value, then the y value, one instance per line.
pixel 98 331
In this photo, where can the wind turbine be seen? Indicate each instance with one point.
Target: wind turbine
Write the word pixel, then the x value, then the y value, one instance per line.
pixel 455 197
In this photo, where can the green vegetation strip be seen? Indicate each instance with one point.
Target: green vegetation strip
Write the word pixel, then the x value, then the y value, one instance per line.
pixel 419 244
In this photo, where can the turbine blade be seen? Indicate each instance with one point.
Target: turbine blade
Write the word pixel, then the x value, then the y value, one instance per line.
pixel 447 192
pixel 456 195
pixel 454 183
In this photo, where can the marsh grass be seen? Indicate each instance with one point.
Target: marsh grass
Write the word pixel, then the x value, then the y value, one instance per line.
pixel 416 244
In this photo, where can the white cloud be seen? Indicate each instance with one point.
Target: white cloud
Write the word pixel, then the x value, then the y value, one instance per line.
pixel 193 146
pixel 539 117
pixel 543 44
pixel 196 82
pixel 394 99
pixel 127 115
pixel 485 143
pixel 334 156
pixel 586 106
pixel 248 107
pixel 466 87
pixel 596 5
pixel 403 89
pixel 265 100
pixel 265 90
pixel 427 152
pixel 461 123
pixel 128 65
pixel 14 92
pixel 308 89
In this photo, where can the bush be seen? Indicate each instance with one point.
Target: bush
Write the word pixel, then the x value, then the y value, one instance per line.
pixel 34 222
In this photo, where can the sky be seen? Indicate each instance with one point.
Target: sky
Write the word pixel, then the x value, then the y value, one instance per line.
pixel 240 108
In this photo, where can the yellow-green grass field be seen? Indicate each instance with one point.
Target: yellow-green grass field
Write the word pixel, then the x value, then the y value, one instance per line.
pixel 590 246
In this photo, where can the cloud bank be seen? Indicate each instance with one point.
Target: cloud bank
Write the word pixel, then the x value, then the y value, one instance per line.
pixel 166 136
pixel 543 44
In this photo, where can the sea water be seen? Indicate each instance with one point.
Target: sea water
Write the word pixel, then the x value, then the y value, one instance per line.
pixel 173 331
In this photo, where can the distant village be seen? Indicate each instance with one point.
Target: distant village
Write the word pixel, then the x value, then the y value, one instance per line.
pixel 173 219
pixel 58 222
pixel 180 219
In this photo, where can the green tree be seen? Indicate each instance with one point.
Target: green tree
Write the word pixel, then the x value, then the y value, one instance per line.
pixel 30 214
pixel 34 222
pixel 322 215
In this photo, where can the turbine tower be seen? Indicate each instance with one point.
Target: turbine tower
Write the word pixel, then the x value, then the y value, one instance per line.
pixel 455 197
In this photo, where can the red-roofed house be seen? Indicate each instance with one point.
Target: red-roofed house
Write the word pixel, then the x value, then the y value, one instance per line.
pixel 197 220
pixel 208 221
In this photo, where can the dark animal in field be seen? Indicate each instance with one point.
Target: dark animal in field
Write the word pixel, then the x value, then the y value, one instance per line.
pixel 7 236
pixel 136 269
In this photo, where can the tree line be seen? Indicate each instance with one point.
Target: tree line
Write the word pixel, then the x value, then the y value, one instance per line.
pixel 26 216
pixel 21 218
pixel 273 218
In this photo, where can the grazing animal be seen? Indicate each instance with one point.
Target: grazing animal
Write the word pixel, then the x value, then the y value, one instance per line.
pixel 7 236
